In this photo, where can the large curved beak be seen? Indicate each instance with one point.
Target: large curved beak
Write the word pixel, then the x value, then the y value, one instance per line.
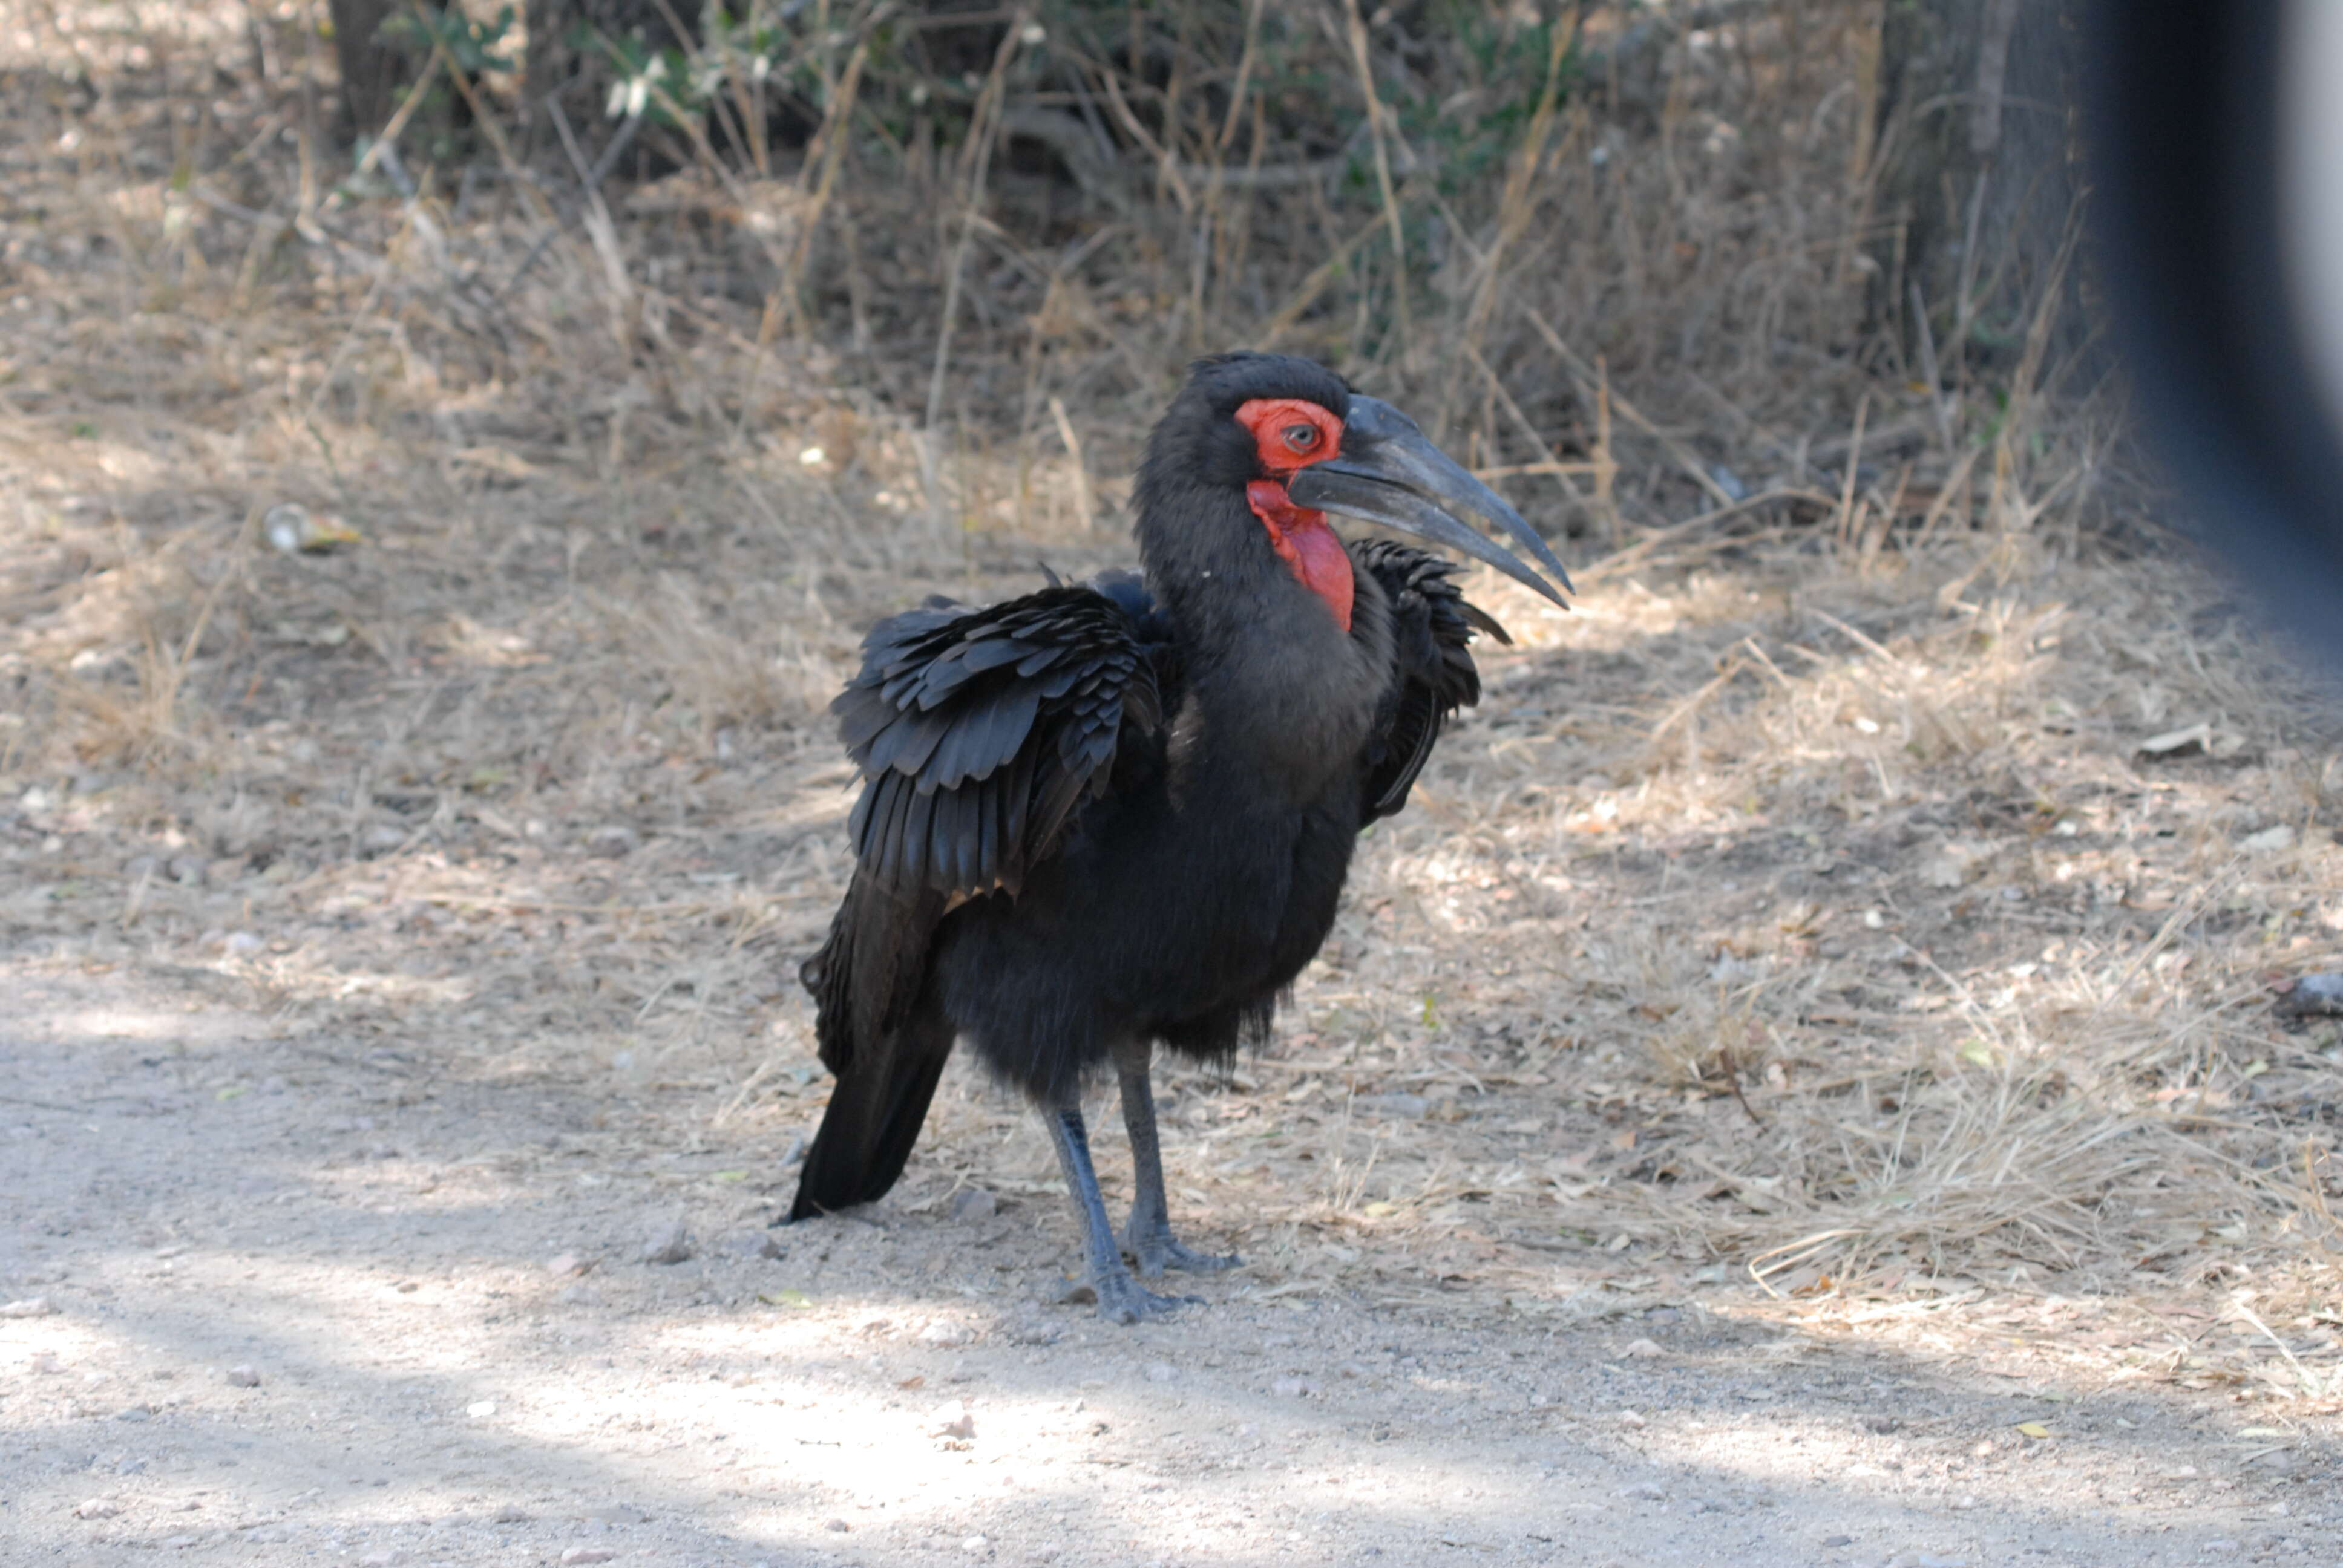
pixel 1388 473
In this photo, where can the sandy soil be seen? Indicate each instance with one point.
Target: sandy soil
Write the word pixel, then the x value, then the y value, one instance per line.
pixel 462 1356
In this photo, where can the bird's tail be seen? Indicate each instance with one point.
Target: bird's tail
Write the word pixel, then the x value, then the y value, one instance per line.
pixel 880 1031
pixel 874 1118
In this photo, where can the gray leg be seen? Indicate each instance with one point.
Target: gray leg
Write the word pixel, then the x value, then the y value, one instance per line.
pixel 1121 1298
pixel 1149 1238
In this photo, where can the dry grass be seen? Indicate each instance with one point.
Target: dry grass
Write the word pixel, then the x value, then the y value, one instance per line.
pixel 1801 909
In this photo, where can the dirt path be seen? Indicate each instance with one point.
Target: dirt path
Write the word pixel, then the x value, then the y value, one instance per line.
pixel 390 1249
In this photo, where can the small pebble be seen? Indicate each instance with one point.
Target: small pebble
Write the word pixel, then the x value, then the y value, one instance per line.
pixel 134 1413
pixel 48 1363
pixel 563 1265
pixel 388 1557
pixel 97 1508
pixel 1293 1388
pixel 946 1334
pixel 839 1525
pixel 951 1418
pixel 1926 1560
pixel 242 1377
pixel 510 1513
pixel 758 1244
pixel 669 1241
pixel 1965 1500
pixel 30 1307
pixel 1162 1371
pixel 588 1554
pixel 480 1409
pixel 974 1204
pixel 1839 1540
pixel 1643 1351
pixel 1645 1490
pixel 1632 1419
pixel 974 1543
pixel 242 944
pixel 612 843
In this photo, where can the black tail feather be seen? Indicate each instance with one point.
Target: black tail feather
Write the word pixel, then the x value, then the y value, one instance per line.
pixel 874 1119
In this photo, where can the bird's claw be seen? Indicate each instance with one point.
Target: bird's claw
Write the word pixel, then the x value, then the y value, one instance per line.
pixel 1123 1300
pixel 1159 1251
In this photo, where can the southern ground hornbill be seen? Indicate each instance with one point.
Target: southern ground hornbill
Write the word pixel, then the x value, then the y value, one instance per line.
pixel 1110 815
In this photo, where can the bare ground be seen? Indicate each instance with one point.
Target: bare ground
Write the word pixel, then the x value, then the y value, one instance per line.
pixel 387 1240
pixel 395 1127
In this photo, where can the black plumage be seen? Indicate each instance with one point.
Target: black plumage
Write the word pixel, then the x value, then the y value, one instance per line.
pixel 1109 815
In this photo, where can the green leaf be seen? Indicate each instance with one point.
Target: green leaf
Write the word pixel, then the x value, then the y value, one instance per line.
pixel 232 1091
pixel 785 1298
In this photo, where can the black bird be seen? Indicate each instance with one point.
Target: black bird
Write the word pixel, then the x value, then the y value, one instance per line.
pixel 1109 815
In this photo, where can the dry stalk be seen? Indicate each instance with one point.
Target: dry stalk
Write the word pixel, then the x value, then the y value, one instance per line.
pixel 976 162
pixel 1515 209
pixel 1375 111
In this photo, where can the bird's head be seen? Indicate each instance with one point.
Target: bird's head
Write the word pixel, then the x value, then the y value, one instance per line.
pixel 1293 440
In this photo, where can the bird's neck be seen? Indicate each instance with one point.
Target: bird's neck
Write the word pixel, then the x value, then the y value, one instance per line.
pixel 1280 695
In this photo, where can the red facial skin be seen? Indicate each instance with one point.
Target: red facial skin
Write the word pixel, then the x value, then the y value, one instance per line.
pixel 1289 435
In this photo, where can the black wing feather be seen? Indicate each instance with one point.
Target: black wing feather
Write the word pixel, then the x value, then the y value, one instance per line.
pixel 980 733
pixel 1435 626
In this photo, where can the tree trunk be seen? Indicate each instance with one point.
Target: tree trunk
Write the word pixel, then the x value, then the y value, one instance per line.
pixel 1981 98
pixel 374 69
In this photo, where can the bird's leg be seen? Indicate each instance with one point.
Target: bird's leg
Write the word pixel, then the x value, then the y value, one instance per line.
pixel 1149 1238
pixel 1121 1298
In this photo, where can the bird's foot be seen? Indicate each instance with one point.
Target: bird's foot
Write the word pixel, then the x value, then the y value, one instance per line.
pixel 1123 1300
pixel 1156 1250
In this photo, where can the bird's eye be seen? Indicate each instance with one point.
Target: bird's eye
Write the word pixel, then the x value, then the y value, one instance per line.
pixel 1301 437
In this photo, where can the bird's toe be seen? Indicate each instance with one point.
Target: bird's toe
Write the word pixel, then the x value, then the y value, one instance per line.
pixel 1153 1254
pixel 1190 1261
pixel 1123 1300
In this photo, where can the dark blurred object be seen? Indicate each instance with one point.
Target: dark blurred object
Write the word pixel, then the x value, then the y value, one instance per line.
pixel 375 70
pixel 2186 117
pixel 2312 996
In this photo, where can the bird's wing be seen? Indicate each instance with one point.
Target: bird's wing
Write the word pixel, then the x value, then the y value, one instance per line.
pixel 1433 626
pixel 979 733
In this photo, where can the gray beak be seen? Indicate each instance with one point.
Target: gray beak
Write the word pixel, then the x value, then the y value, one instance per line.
pixel 1388 473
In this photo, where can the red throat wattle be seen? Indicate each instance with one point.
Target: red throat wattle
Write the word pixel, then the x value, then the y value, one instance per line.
pixel 1290 434
pixel 1307 545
